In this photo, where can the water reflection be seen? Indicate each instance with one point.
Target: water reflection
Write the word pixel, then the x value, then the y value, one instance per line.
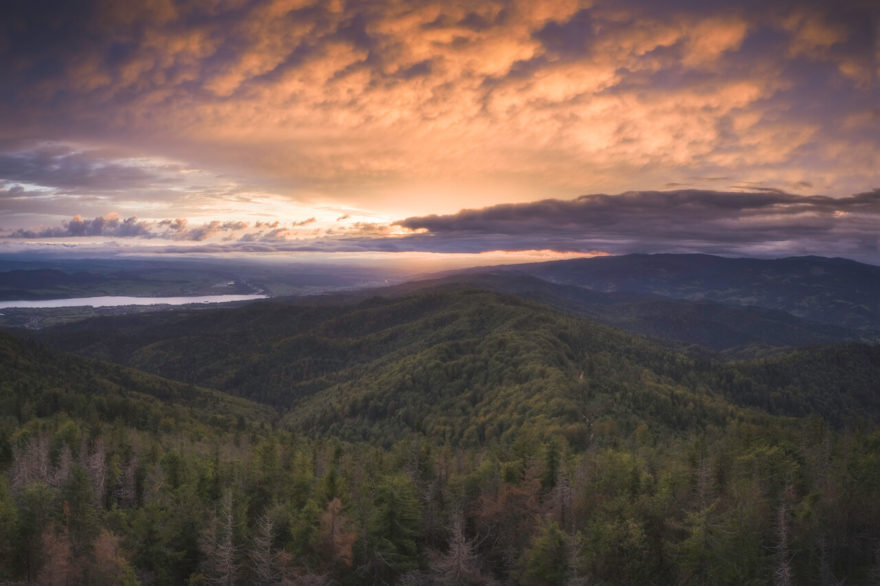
pixel 115 301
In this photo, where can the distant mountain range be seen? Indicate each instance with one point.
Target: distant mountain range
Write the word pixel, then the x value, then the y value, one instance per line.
pixel 827 290
pixel 741 307
pixel 499 336
pixel 735 330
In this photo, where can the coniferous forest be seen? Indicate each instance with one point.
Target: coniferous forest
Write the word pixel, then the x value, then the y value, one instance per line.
pixel 449 435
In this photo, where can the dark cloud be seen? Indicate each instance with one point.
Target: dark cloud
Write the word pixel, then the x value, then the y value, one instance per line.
pixel 62 167
pixel 56 179
pixel 109 225
pixel 571 38
pixel 12 192
pixel 474 21
pixel 204 231
pixel 277 235
pixel 176 225
pixel 416 70
pixel 112 225
pixel 654 221
pixel 758 222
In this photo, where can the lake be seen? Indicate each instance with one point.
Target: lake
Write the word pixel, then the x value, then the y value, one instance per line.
pixel 115 301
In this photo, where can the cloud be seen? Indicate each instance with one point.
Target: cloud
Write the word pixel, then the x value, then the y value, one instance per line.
pixel 62 179
pixel 371 102
pixel 203 231
pixel 111 225
pixel 759 222
pixel 61 166
pixel 12 192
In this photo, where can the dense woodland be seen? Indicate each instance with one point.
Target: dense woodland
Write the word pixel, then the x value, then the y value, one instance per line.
pixel 452 436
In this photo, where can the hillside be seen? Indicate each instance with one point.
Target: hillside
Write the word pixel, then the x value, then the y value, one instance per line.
pixel 38 382
pixel 454 363
pixel 734 330
pixel 841 382
pixel 451 436
pixel 828 290
pixel 460 365
pixel 738 307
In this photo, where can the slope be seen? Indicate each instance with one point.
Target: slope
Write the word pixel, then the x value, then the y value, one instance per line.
pixel 733 329
pixel 828 290
pixel 455 363
pixel 38 382
pixel 841 382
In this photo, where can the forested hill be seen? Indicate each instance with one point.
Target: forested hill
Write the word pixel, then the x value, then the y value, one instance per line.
pixel 462 365
pixel 731 329
pixel 830 290
pixel 455 436
pixel 38 382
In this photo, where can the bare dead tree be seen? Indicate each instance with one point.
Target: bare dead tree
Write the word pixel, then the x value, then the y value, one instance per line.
pixel 218 545
pixel 96 468
pixel 125 493
pixel 336 534
pixel 59 569
pixel 460 564
pixel 782 576
pixel 30 463
pixel 61 474
pixel 263 557
pixel 575 550
pixel 704 482
pixel 560 501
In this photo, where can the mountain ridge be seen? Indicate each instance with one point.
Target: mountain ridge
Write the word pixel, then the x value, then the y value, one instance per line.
pixel 375 351
pixel 834 291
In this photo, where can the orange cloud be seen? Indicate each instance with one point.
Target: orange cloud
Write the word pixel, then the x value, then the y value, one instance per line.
pixel 434 104
pixel 811 33
pixel 707 39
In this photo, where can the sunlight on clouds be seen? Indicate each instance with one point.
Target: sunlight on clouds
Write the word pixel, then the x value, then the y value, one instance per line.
pixel 429 262
pixel 270 109
pixel 708 39
pixel 811 34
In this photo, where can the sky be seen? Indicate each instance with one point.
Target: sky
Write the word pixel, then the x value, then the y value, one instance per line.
pixel 543 128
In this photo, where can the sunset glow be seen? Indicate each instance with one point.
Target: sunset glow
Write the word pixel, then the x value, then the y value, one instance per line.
pixel 346 122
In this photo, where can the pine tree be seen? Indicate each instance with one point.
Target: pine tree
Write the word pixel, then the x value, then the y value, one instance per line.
pixel 394 527
pixel 263 556
pixel 546 561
